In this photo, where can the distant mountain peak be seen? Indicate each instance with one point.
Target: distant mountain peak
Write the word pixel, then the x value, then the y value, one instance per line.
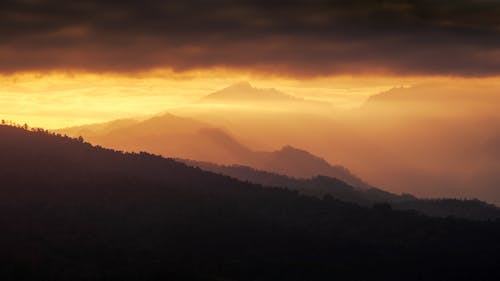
pixel 297 152
pixel 244 91
pixel 242 85
pixel 300 155
pixel 289 148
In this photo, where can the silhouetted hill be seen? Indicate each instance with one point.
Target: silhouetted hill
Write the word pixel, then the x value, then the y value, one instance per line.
pixel 320 186
pixel 187 138
pixel 302 164
pixel 71 211
pixel 97 129
pixel 168 135
pixel 317 186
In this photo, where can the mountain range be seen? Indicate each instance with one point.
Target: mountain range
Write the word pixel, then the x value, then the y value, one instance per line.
pixel 178 137
pixel 430 140
pixel 202 145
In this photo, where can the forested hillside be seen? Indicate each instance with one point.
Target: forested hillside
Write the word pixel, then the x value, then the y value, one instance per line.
pixel 71 211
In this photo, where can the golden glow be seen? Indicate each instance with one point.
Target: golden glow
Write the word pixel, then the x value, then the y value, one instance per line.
pixel 59 99
pixel 441 143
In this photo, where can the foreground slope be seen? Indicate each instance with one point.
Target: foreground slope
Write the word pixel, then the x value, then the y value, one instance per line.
pixel 70 211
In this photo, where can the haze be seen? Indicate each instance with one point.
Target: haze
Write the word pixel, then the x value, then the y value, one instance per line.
pixel 403 94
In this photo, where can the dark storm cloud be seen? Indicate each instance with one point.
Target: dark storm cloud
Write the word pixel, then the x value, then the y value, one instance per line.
pixel 450 37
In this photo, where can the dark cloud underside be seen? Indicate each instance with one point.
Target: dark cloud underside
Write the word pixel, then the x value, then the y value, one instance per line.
pixel 448 37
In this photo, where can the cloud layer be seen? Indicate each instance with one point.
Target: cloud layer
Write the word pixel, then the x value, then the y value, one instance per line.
pixel 304 38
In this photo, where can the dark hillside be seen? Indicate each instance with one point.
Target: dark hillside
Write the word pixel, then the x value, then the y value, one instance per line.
pixel 319 186
pixel 71 211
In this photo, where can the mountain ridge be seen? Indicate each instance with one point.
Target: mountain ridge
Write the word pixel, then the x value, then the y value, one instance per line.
pixel 180 137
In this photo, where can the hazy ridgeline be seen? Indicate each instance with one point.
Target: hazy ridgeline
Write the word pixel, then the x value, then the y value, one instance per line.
pixel 435 140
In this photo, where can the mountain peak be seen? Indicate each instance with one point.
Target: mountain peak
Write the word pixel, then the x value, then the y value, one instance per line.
pixel 244 91
pixel 291 152
pixel 291 149
pixel 242 85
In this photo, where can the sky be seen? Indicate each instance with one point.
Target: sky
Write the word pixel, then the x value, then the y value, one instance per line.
pixel 73 62
pixel 296 37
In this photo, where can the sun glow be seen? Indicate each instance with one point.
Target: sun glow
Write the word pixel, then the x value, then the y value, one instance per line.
pixel 59 99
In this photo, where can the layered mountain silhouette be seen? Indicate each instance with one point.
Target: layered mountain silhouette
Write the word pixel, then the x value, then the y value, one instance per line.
pixel 71 211
pixel 179 137
pixel 320 186
pixel 289 167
